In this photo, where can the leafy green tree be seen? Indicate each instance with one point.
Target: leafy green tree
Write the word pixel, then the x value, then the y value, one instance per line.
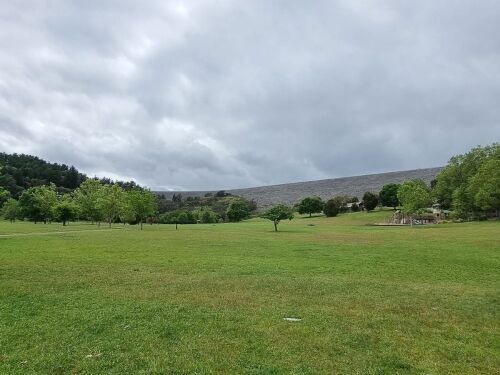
pixel 37 203
pixel 72 178
pixel 143 203
pixel 414 196
pixel 46 198
pixel 178 217
pixel 127 213
pixel 87 198
pixel 310 205
pixel 28 206
pixel 370 201
pixel 277 213
pixel 237 210
pixel 389 195
pixel 462 204
pixel 484 187
pixel 11 210
pixel 65 209
pixel 4 196
pixel 331 208
pixel 110 202
pixel 459 170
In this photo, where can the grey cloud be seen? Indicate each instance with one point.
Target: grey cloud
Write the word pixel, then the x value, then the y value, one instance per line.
pixel 207 95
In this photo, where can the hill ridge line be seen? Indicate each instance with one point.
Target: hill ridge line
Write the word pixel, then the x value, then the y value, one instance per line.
pixel 291 192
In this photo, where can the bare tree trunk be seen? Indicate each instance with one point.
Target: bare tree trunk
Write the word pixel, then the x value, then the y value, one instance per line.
pixel 141 224
pixel 275 226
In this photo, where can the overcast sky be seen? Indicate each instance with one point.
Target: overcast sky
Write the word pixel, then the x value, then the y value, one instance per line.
pixel 224 94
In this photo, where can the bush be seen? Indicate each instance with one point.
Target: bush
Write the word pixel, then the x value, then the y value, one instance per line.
pixel 389 195
pixel 370 201
pixel 11 210
pixel 331 208
pixel 178 217
pixel 237 210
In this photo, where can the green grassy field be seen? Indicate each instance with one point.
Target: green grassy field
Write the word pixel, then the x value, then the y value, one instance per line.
pixel 212 298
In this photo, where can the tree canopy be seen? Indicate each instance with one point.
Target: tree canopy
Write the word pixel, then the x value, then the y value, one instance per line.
pixel 310 205
pixel 143 203
pixel 455 178
pixel 370 201
pixel 484 187
pixel 110 201
pixel 277 213
pixel 331 208
pixel 87 196
pixel 238 210
pixel 10 210
pixel 65 209
pixel 389 195
pixel 414 196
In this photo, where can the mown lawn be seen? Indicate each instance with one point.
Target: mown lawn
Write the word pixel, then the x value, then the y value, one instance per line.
pixel 212 298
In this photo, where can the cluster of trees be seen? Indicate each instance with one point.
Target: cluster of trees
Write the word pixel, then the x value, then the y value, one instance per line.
pixel 336 205
pixel 92 200
pixel 202 215
pixel 469 186
pixel 213 207
pixel 470 183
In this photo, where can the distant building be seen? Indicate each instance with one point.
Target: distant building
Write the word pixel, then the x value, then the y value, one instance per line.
pixel 435 214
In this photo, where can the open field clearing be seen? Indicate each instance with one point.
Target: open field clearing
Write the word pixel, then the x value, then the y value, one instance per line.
pixel 213 298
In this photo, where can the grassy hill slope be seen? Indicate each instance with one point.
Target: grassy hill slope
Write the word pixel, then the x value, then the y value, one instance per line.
pixel 293 192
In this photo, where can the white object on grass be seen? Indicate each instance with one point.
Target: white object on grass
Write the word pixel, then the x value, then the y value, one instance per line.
pixel 292 319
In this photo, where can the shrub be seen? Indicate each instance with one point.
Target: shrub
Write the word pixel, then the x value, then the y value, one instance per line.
pixel 237 210
pixel 331 208
pixel 370 201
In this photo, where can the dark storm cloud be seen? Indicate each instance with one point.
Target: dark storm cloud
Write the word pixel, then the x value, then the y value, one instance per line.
pixel 206 95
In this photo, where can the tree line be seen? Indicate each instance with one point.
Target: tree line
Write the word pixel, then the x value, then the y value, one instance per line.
pixel 469 185
pixel 92 200
pixel 97 202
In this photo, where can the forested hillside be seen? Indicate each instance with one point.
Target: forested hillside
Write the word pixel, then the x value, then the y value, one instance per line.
pixel 19 172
